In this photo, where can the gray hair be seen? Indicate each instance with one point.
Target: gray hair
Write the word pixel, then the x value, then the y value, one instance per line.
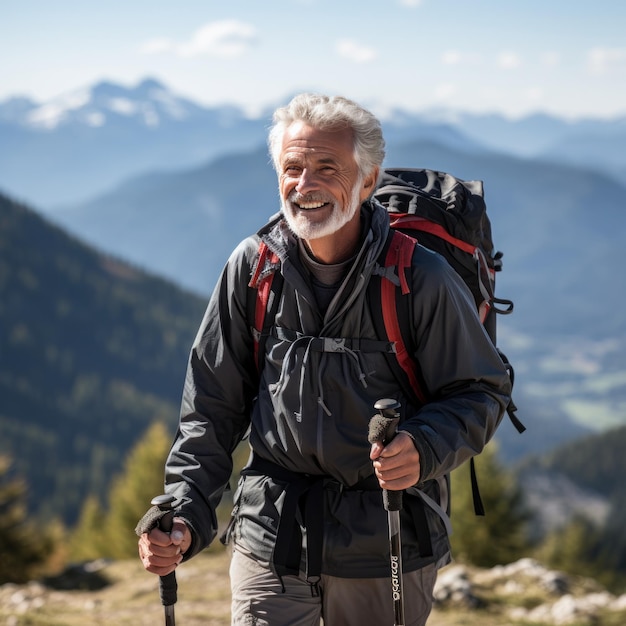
pixel 328 113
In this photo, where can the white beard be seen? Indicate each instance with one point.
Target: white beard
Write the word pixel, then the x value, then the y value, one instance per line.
pixel 306 229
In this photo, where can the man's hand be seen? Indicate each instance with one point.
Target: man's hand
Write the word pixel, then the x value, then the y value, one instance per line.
pixel 397 465
pixel 161 552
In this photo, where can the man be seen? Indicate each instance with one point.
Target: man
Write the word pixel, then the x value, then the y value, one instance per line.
pixel 309 531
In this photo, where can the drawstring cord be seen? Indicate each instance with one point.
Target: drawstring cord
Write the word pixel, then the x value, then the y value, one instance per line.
pixel 324 345
pixel 330 345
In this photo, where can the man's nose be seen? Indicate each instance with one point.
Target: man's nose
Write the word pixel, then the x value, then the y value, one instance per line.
pixel 307 182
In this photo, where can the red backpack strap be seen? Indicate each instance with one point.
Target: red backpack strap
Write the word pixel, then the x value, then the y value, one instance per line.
pixel 399 255
pixel 485 274
pixel 262 281
pixel 414 222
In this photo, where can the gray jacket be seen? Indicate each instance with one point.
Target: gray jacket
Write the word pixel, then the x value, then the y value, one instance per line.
pixel 309 408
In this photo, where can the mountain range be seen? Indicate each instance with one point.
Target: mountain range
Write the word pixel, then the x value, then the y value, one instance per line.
pixel 85 142
pixel 157 190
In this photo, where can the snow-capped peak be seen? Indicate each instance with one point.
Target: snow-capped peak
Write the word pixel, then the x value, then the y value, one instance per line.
pixel 52 113
pixel 149 102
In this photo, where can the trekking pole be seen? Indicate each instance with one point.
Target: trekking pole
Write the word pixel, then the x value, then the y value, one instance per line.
pixel 382 428
pixel 162 515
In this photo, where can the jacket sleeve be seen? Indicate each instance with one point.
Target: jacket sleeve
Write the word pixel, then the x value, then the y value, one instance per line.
pixel 220 385
pixel 467 384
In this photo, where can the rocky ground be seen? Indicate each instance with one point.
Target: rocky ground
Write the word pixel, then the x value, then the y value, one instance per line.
pixel 122 594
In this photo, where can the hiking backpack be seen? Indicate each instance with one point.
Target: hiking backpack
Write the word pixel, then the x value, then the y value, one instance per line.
pixel 440 212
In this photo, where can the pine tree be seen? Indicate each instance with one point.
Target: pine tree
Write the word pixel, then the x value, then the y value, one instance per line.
pixel 87 541
pixel 569 548
pixel 24 548
pixel 498 537
pixel 583 547
pixel 131 492
pixel 109 532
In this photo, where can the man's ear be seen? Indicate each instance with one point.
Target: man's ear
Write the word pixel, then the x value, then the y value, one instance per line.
pixel 369 184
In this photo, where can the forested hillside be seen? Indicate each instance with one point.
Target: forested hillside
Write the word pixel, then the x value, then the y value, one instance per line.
pixel 597 464
pixel 92 350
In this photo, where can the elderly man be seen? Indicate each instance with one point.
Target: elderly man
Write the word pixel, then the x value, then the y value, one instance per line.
pixel 309 530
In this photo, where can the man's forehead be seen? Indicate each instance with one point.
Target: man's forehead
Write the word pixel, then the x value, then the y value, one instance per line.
pixel 303 138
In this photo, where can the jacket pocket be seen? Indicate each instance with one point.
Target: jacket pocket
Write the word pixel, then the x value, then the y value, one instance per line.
pixel 256 513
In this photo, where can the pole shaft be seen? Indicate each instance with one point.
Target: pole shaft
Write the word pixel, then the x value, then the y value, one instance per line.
pixel 397 588
pixel 170 620
pixel 383 428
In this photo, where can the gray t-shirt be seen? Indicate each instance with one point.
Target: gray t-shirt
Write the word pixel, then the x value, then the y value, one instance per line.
pixel 325 278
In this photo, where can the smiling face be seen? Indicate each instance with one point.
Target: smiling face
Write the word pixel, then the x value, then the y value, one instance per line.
pixel 321 188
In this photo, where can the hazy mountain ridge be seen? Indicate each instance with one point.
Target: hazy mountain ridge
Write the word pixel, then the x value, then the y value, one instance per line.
pixel 82 143
pixel 589 143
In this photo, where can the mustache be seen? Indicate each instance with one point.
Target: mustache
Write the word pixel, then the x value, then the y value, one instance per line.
pixel 298 198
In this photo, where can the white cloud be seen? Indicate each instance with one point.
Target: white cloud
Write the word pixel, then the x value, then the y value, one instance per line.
pixel 411 4
pixel 225 39
pixel 603 60
pixel 509 60
pixel 354 51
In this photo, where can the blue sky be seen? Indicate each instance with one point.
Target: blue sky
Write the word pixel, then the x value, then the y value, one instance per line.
pixel 565 57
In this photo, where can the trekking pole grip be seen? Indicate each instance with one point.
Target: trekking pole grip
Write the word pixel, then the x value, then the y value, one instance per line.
pixel 168 587
pixel 382 428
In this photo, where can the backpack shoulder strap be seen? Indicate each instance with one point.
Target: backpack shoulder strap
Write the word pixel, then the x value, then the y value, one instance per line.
pixel 399 254
pixel 391 299
pixel 266 282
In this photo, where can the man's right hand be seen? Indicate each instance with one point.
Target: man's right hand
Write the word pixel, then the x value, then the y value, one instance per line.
pixel 161 552
pixel 397 465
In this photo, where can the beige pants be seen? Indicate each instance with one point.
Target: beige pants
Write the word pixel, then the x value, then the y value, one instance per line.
pixel 258 598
